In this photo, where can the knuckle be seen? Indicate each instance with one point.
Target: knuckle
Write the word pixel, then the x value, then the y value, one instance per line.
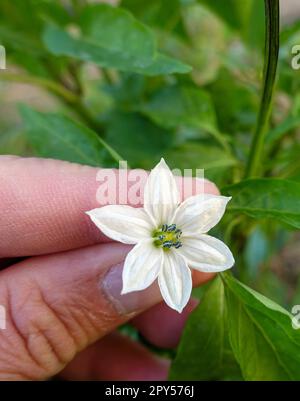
pixel 35 344
pixel 84 312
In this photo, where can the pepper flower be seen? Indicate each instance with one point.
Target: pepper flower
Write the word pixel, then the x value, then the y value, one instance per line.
pixel 170 237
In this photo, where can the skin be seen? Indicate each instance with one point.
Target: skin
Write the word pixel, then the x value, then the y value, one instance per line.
pixel 53 262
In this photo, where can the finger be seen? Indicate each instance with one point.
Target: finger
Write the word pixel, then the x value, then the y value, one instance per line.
pixel 59 304
pixel 116 357
pixel 43 203
pixel 170 323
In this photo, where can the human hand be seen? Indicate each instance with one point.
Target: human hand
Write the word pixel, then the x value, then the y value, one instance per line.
pixel 62 299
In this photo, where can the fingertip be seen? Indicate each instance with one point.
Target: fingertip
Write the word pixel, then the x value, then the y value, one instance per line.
pixel 210 187
pixel 171 324
pixel 117 357
pixel 189 186
pixel 200 278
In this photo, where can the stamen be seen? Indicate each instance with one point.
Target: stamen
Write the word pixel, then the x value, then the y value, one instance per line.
pixel 167 237
pixel 164 227
pixel 171 228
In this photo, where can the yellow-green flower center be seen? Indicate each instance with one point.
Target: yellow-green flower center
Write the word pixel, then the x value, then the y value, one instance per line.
pixel 167 236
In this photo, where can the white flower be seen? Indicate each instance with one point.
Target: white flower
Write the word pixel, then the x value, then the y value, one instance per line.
pixel 170 237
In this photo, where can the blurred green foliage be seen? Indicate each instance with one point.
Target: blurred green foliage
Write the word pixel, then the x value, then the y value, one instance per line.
pixel 179 79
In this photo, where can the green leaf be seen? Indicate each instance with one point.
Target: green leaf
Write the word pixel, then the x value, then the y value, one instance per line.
pixel 290 123
pixel 266 197
pixel 140 141
pixel 59 137
pixel 199 155
pixel 296 176
pixel 117 31
pixel 175 106
pixel 112 38
pixel 262 337
pixel 162 65
pixel 272 286
pixel 184 106
pixel 204 352
pixel 236 108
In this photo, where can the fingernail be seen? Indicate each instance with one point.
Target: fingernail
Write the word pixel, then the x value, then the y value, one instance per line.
pixel 131 302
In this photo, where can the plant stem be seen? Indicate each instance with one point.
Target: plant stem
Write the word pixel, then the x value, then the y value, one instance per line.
pixel 73 70
pixel 269 77
pixel 53 87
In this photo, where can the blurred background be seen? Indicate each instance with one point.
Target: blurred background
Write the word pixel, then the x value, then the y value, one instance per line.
pixel 202 118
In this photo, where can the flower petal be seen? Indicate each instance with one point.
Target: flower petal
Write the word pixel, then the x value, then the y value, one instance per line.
pixel 141 267
pixel 122 223
pixel 206 253
pixel 198 214
pixel 161 195
pixel 175 280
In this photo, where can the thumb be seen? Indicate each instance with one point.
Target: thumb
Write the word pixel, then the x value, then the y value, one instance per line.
pixel 57 305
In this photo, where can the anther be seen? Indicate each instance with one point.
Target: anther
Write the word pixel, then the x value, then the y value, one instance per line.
pixel 172 227
pixel 164 227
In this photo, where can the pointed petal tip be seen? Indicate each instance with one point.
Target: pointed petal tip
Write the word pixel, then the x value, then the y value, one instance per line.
pixel 126 289
pixel 162 163
pixel 91 213
pixel 230 264
pixel 226 199
pixel 231 260
pixel 175 307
